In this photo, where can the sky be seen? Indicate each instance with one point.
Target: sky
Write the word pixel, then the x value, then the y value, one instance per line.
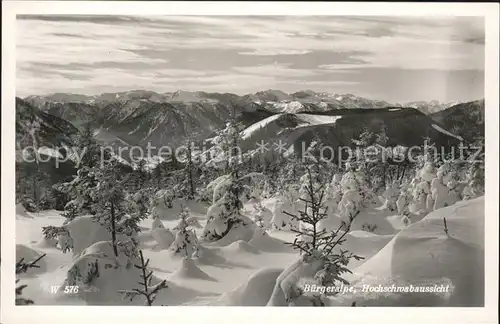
pixel 397 59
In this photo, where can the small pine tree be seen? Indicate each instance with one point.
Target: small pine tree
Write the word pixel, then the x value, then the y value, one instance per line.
pixel 445 226
pixel 190 169
pixel 31 129
pixel 381 165
pixel 228 141
pixel 60 197
pixel 141 203
pixel 229 199
pixel 56 232
pixel 157 174
pixel 82 190
pixel 22 267
pixel 185 241
pixel 140 175
pixel 320 244
pixel 70 212
pixel 111 206
pixel 148 291
pixel 476 178
pixel 92 273
pixel 87 147
pixel 74 276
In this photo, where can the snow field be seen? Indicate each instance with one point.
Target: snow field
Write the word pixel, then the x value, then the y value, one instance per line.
pixel 249 271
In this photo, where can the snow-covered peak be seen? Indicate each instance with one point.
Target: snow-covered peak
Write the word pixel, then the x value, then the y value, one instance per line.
pixel 289 107
pixel 255 127
pixel 429 107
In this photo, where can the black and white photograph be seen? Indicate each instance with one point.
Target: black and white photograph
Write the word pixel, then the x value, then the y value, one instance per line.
pixel 249 160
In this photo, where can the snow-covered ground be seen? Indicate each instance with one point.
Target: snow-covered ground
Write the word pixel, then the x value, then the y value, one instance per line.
pixel 303 120
pixel 254 127
pixel 444 131
pixel 245 273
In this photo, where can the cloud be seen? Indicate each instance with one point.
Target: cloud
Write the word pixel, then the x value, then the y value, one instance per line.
pixel 278 70
pixel 58 53
pixel 276 52
pixel 68 35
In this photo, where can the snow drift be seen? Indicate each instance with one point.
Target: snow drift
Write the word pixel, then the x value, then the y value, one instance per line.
pixel 85 231
pixel 21 211
pixel 286 285
pixel 208 256
pixel 157 223
pixel 263 242
pixel 117 274
pixel 255 292
pixel 239 247
pixel 164 237
pixel 189 270
pixel 28 255
pixel 114 274
pixel 241 231
pixel 423 252
pixel 281 221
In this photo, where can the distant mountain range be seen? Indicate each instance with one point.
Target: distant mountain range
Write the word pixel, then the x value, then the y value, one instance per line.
pixel 142 117
pixel 274 100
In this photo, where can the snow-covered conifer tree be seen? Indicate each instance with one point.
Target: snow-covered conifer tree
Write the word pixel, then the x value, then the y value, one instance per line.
pixel 81 190
pixel 445 187
pixel 423 202
pixel 31 130
pixel 475 180
pixel 148 291
pixel 439 192
pixel 185 239
pixel 369 163
pixel 404 200
pixel 141 203
pixel 87 147
pixel 225 212
pixel 157 175
pixel 140 175
pixel 22 267
pixel 351 202
pixel 189 170
pixel 262 215
pixel 391 195
pixel 70 211
pixel 381 140
pixel 111 206
pixel 319 259
pixel 59 233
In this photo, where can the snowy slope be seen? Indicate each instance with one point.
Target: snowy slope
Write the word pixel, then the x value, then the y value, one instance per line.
pixel 444 131
pixel 465 119
pixel 245 273
pixel 423 254
pixel 336 128
pixel 139 116
pixel 246 133
pixel 286 121
pixel 310 120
